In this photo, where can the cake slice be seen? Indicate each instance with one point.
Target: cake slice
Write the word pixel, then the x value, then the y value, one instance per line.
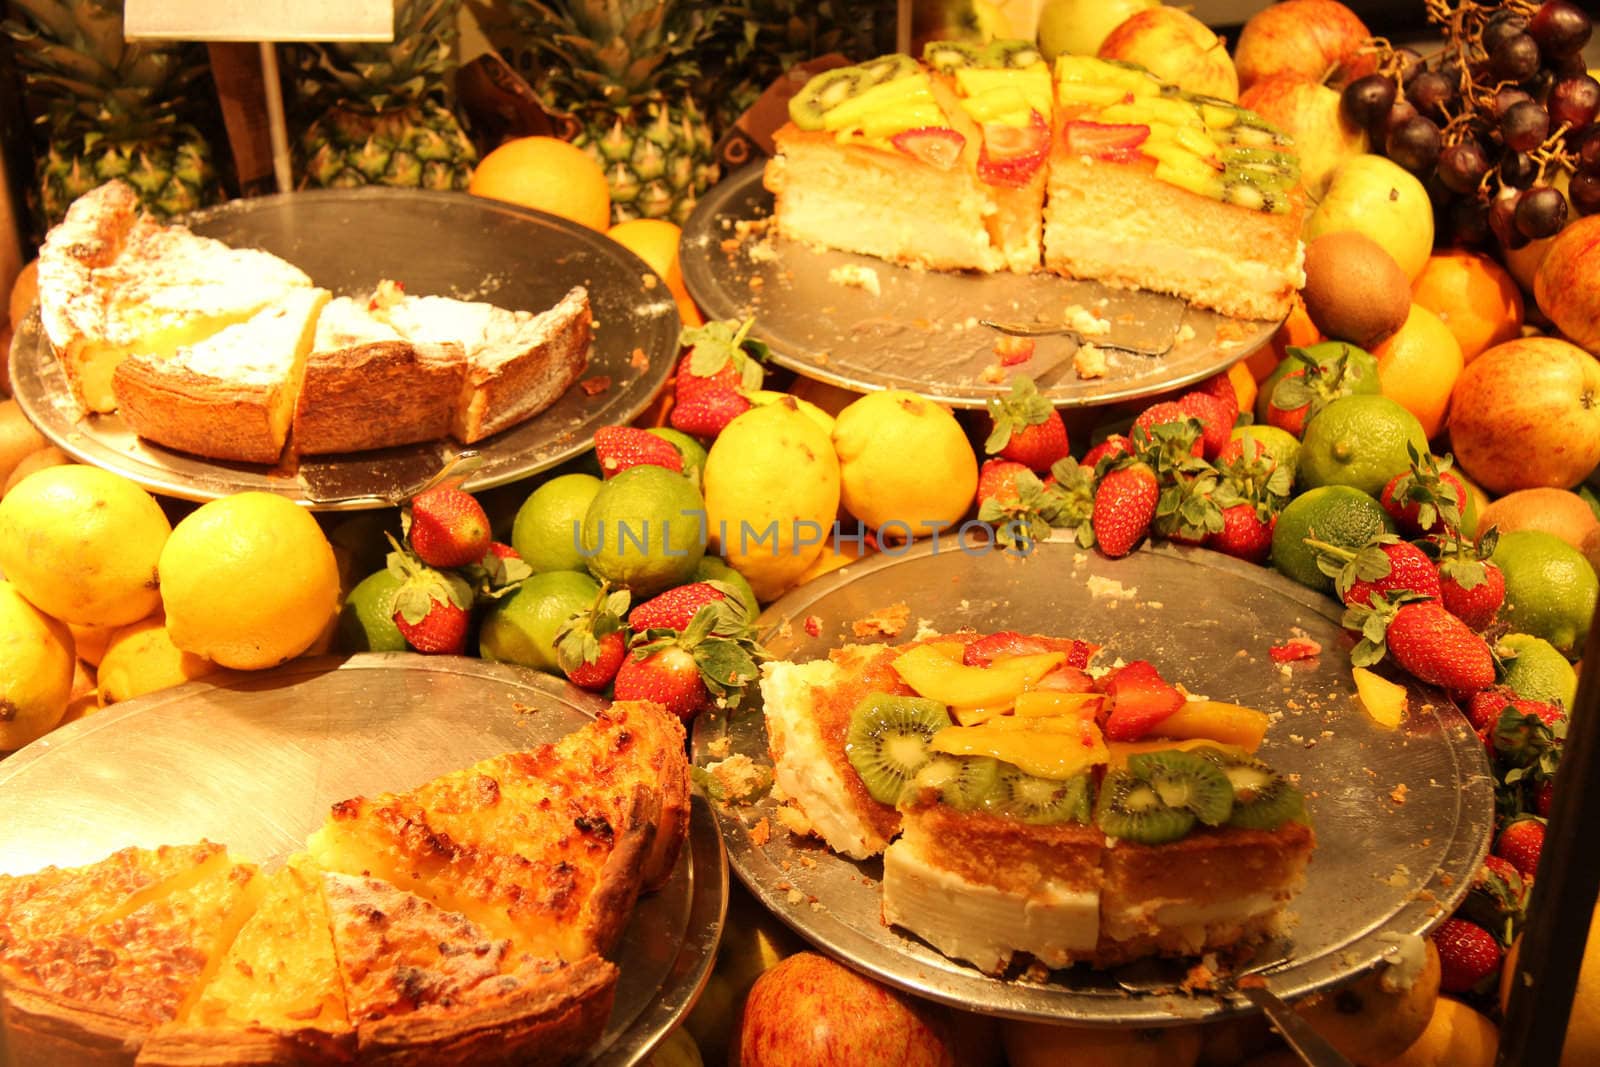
pixel 231 396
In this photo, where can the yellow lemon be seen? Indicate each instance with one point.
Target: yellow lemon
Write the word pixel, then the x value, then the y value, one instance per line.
pixel 90 641
pixel 905 465
pixel 812 411
pixel 141 659
pixel 248 581
pixel 82 544
pixel 1456 1036
pixel 36 665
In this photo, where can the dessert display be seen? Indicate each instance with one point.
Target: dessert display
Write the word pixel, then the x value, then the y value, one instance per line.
pixel 986 159
pixel 232 354
pixel 465 921
pixel 1025 806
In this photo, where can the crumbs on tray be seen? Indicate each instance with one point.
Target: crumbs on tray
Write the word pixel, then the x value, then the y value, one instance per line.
pixel 885 622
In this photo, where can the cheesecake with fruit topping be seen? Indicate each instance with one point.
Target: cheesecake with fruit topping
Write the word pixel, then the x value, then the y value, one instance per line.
pixel 1028 809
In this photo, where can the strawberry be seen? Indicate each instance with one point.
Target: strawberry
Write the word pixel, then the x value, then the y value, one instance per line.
pixel 1018 507
pixel 432 607
pixel 1478 603
pixel 689 671
pixel 1468 955
pixel 704 411
pixel 1244 534
pixel 597 672
pixel 1521 843
pixel 621 447
pixel 447 527
pixel 1100 140
pixel 1187 511
pixel 721 353
pixel 1484 708
pixel 501 550
pixel 1542 795
pixel 1140 699
pixel 1124 506
pixel 982 652
pixel 1322 373
pixel 1427 496
pixel 1384 565
pixel 669 677
pixel 1254 473
pixel 1161 414
pixel 997 481
pixel 1113 446
pixel 591 644
pixel 1220 385
pixel 938 146
pixel 1496 900
pixel 676 608
pixel 1011 155
pixel 1026 427
pixel 1216 420
pixel 1436 647
pixel 441 629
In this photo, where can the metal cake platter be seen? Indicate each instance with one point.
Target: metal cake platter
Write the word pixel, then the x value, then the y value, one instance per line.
pixel 922 330
pixel 1402 817
pixel 447 244
pixel 254 760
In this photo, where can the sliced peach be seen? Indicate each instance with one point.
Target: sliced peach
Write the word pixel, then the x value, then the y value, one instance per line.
pixel 948 681
pixel 1057 754
pixel 1385 701
pixel 1212 720
pixel 1040 702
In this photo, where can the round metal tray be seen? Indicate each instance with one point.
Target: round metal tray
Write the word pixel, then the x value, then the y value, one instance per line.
pixel 1402 817
pixel 449 244
pixel 254 761
pixel 921 331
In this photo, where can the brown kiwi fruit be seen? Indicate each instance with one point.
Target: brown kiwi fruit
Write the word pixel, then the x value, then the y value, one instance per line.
pixel 1355 291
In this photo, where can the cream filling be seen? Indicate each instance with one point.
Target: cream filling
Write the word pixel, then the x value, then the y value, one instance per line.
pixel 1186 919
pixel 1096 252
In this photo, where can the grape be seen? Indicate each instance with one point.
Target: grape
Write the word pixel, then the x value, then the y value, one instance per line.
pixel 1515 58
pixel 1505 97
pixel 1574 102
pixel 1524 126
pixel 1560 28
pixel 1367 99
pixel 1431 92
pixel 1502 27
pixel 1584 192
pixel 1414 144
pixel 1502 221
pixel 1402 111
pixel 1517 169
pixel 1462 166
pixel 1585 149
pixel 1468 222
pixel 1408 62
pixel 1569 66
pixel 1541 211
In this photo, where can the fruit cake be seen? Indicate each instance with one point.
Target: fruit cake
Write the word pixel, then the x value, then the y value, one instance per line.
pixel 1026 807
pixel 985 159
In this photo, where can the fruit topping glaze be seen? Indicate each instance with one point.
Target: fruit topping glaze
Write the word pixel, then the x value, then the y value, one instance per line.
pixel 1016 725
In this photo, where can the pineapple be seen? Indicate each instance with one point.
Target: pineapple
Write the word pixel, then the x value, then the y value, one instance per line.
pixel 382 112
pixel 109 108
pixel 624 69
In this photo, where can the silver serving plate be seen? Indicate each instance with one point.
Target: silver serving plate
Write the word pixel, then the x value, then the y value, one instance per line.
pixel 254 760
pixel 1402 817
pixel 449 244
pixel 923 331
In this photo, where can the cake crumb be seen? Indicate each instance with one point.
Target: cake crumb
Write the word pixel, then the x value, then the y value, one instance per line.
pixel 925 630
pixel 1398 793
pixel 1090 361
pixel 739 778
pixel 993 374
pixel 761 833
pixel 856 276
pixel 1398 878
pixel 596 385
pixel 762 252
pixel 1101 587
pixel 720 747
pixel 1185 334
pixel 794 820
pixel 638 360
pixel 1013 350
pixel 795 897
pixel 1085 322
pixel 885 622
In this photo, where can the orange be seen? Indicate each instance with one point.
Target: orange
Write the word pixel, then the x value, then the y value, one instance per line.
pixel 24 291
pixel 1475 297
pixel 1244 386
pixel 1296 330
pixel 547 174
pixel 1418 367
pixel 656 242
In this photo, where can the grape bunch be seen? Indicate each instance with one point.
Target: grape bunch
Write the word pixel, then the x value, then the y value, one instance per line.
pixel 1500 125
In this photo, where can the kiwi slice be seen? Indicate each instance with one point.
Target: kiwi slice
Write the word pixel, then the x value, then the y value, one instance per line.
pixel 822 93
pixel 1187 782
pixel 1014 53
pixel 963 782
pixel 1262 799
pixel 945 56
pixel 1041 801
pixel 888 740
pixel 884 68
pixel 1130 808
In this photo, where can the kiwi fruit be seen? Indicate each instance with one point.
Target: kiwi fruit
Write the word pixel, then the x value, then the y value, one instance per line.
pixel 1129 807
pixel 1187 782
pixel 1041 801
pixel 887 742
pixel 1013 53
pixel 963 782
pixel 946 56
pixel 884 69
pixel 1355 291
pixel 822 93
pixel 1262 799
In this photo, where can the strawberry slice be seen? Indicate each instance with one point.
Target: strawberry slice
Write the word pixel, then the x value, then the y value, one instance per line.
pixel 1013 154
pixel 938 146
pixel 982 652
pixel 1140 701
pixel 1099 140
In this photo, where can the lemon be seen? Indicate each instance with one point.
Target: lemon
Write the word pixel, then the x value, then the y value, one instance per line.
pixel 90 641
pixel 1550 588
pixel 548 530
pixel 1456 1036
pixel 692 451
pixel 645 530
pixel 1337 514
pixel 1536 671
pixel 905 465
pixel 36 664
pixel 521 628
pixel 366 621
pixel 772 494
pixel 810 410
pixel 141 658
pixel 82 544
pixel 1359 441
pixel 248 581
pixel 1281 445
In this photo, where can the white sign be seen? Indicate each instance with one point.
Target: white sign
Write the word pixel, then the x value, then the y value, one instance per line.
pixel 259 20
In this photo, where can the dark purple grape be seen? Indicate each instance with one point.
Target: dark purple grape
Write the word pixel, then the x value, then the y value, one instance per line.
pixel 1574 102
pixel 1467 223
pixel 1541 212
pixel 1502 27
pixel 1524 126
pixel 1414 144
pixel 1432 92
pixel 1584 192
pixel 1503 221
pixel 1504 98
pixel 1408 63
pixel 1462 166
pixel 1560 28
pixel 1585 149
pixel 1517 169
pixel 1402 111
pixel 1515 59
pixel 1367 99
pixel 1568 66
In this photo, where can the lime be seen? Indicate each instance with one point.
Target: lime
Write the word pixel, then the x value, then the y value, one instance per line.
pixel 1281 445
pixel 521 628
pixel 1336 514
pixel 692 451
pixel 645 530
pixel 548 530
pixel 716 569
pixel 366 622
pixel 1359 441
pixel 1538 671
pixel 1550 588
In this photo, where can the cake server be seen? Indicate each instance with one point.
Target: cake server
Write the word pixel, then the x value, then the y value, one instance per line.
pixel 1155 339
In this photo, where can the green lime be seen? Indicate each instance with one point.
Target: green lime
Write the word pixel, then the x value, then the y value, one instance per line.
pixel 692 451
pixel 1336 514
pixel 548 530
pixel 521 628
pixel 645 530
pixel 1538 671
pixel 366 622
pixel 716 569
pixel 1281 445
pixel 1359 441
pixel 1550 588
pixel 1469 506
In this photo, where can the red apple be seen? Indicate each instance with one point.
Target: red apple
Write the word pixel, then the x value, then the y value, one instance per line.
pixel 1313 40
pixel 1527 413
pixel 1567 284
pixel 809 1011
pixel 1308 112
pixel 1176 47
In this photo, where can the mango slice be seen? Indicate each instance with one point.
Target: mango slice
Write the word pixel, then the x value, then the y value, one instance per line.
pixel 1042 702
pixel 1213 720
pixel 951 682
pixel 1057 749
pixel 1384 701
